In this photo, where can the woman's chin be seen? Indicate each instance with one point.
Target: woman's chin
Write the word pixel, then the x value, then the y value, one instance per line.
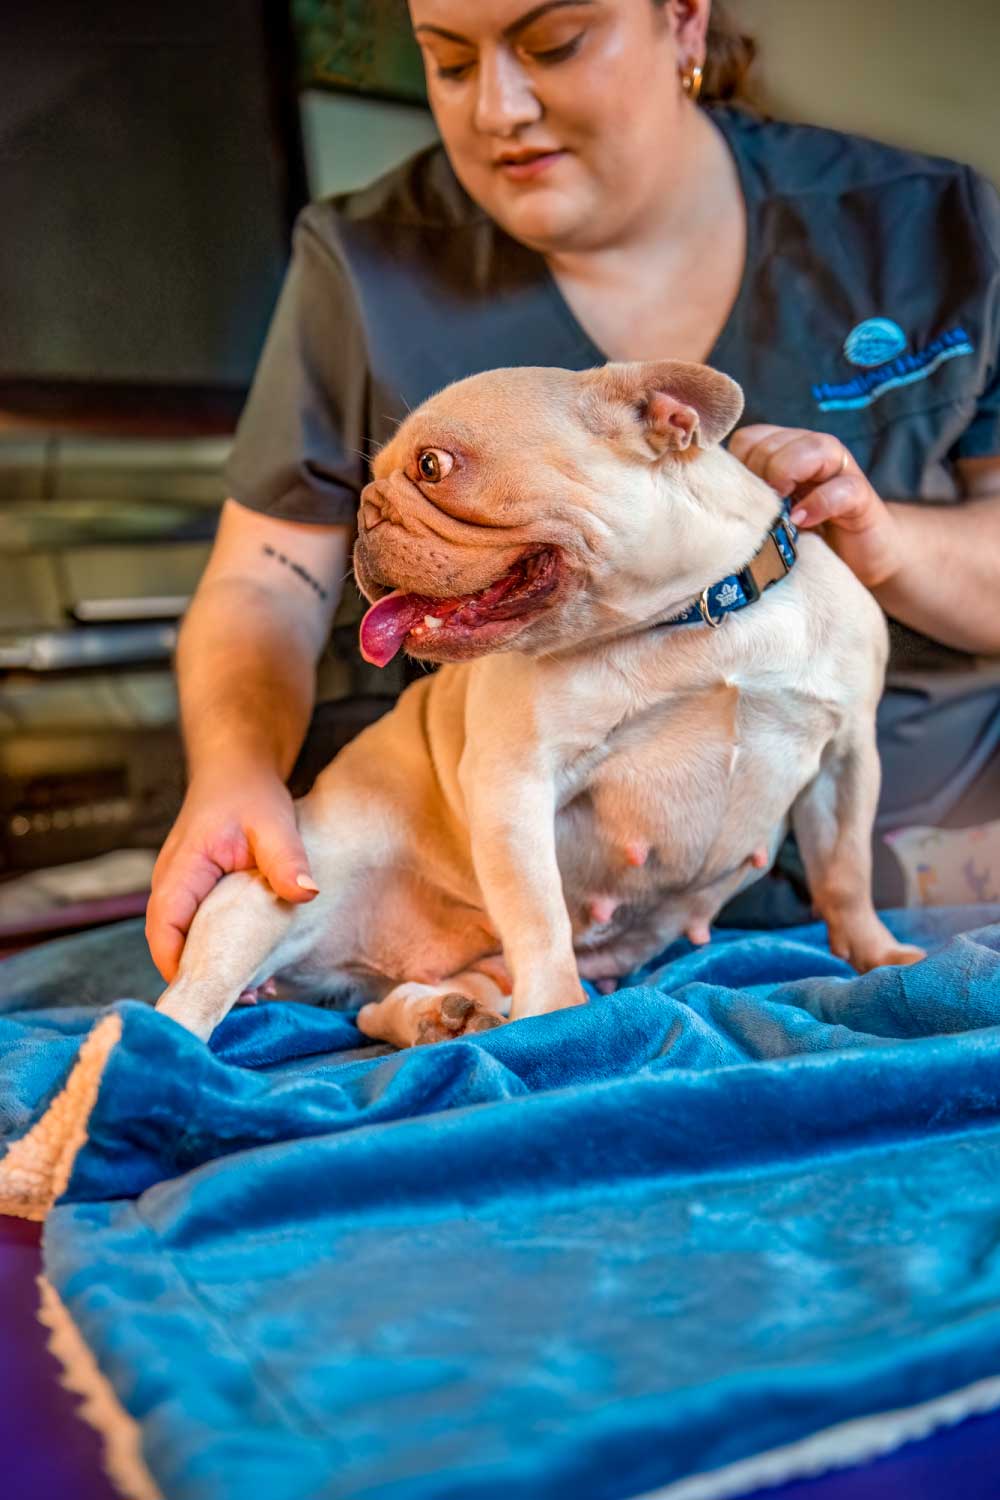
pixel 548 232
pixel 544 218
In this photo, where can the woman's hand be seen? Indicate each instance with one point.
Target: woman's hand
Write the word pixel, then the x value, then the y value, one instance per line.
pixel 829 490
pixel 233 818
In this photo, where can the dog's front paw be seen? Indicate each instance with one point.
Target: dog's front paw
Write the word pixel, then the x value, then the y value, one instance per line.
pixel 872 947
pixel 894 953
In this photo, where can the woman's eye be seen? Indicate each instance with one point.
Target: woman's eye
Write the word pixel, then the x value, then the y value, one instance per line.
pixel 457 70
pixel 561 53
pixel 433 464
pixel 546 55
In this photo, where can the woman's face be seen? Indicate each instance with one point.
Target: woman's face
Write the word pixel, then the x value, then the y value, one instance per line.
pixel 560 118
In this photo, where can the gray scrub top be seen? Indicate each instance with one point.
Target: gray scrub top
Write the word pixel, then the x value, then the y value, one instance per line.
pixel 869 308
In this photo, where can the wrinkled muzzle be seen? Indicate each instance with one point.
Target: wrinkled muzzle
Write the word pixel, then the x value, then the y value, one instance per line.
pixel 456 626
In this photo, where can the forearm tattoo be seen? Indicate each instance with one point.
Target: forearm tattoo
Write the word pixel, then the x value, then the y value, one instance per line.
pixel 297 569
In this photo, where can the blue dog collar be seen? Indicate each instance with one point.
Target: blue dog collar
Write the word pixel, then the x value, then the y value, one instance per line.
pixel 770 563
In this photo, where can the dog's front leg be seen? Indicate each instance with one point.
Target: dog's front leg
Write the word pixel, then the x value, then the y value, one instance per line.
pixel 512 829
pixel 833 819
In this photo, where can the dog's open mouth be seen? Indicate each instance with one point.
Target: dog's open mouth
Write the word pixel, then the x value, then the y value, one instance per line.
pixel 431 623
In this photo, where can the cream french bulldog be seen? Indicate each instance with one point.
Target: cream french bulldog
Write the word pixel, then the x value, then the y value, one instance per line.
pixel 612 749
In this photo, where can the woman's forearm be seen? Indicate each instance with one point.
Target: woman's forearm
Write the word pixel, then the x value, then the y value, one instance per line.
pixel 948 582
pixel 246 663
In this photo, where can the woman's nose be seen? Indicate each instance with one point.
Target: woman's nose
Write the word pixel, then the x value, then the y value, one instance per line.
pixel 505 99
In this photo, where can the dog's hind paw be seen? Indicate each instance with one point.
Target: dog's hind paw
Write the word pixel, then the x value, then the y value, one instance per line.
pixel 416 1015
pixel 455 1015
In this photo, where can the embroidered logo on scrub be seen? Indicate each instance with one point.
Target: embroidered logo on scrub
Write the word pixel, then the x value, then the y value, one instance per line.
pixel 873 342
pixel 878 346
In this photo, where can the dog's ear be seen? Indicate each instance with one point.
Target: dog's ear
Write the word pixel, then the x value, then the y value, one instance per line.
pixel 661 405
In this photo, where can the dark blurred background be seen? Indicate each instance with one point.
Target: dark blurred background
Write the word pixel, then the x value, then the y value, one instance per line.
pixel 152 160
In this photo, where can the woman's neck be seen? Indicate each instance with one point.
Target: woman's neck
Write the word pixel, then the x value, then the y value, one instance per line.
pixel 696 196
pixel 668 288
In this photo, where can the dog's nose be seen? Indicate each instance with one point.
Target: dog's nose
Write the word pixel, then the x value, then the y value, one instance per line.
pixel 376 506
pixel 373 509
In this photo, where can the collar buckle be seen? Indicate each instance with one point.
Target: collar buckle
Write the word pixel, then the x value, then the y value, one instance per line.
pixel 770 564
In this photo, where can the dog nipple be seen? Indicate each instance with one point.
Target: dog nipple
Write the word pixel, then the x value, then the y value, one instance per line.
pixel 602 908
pixel 636 853
pixel 759 858
pixel 698 933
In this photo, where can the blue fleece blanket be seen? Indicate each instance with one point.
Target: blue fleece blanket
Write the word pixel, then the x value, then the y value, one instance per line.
pixel 736 1222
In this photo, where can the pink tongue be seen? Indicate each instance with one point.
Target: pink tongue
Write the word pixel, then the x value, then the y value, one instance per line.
pixel 386 625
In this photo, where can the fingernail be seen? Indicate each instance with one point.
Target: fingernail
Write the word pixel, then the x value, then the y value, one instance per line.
pixel 306 884
pixel 798 515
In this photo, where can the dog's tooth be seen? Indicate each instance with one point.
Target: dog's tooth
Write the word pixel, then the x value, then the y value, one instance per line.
pixel 432 622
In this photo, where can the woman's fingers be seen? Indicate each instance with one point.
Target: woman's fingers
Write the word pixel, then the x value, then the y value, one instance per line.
pixel 812 468
pixel 211 840
pixel 280 856
pixel 826 488
pixel 745 439
pixel 790 459
pixel 177 893
pixel 845 500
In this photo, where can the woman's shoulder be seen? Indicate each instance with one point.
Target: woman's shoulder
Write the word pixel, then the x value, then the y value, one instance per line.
pixel 422 193
pixel 788 159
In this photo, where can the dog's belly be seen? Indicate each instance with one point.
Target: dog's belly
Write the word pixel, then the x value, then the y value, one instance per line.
pixel 664 831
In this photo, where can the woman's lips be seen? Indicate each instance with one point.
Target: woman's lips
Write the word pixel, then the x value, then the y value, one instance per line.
pixel 529 166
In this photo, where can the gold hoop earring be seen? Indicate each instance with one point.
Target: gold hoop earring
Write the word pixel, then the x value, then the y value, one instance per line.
pixel 691 81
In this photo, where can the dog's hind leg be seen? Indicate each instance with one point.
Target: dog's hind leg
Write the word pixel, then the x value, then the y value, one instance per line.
pixel 832 818
pixel 412 1014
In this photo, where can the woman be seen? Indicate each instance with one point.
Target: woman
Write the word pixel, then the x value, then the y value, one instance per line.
pixel 588 206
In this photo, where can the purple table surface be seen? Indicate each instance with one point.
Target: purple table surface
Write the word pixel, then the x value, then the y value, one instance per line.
pixel 49 1452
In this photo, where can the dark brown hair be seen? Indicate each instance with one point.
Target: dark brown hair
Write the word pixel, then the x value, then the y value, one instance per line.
pixel 728 55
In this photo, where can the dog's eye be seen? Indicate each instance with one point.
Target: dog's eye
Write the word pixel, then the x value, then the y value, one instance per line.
pixel 433 464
